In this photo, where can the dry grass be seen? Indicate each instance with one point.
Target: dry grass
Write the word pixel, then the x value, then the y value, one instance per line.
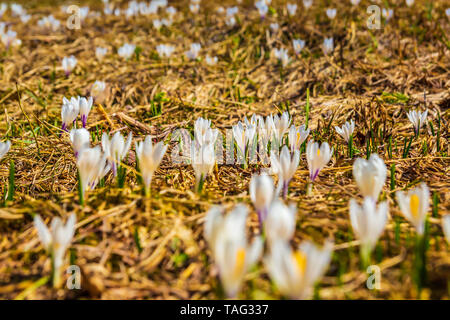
pixel 360 81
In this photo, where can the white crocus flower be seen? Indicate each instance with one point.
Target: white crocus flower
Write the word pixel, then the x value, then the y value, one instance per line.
pixel 418 119
pixel 280 127
pixel 85 109
pixel 98 89
pixel 274 27
pixel 414 205
pixel 193 52
pixel 328 45
pixel 149 158
pixel 317 158
pixel 355 2
pixel 387 13
pixel 307 3
pixel 280 222
pixel 100 53
pixel 291 8
pixel 370 175
pixel 80 139
pixel 296 272
pixel 126 51
pixel 231 252
pixel 262 8
pixel 261 193
pixel 347 130
pixel 244 135
pixel 297 136
pixel 409 3
pixel 368 223
pixel 284 167
pixel 447 12
pixel 165 50
pixel 331 13
pixel 68 64
pixel 4 148
pixel 56 241
pixel 203 133
pixel 157 24
pixel 211 61
pixel 203 159
pixel 232 11
pixel 3 8
pixel 446 227
pixel 171 11
pixel 298 45
pixel 116 149
pixel 265 130
pixel 92 168
pixel 25 18
pixel 69 112
pixel 230 21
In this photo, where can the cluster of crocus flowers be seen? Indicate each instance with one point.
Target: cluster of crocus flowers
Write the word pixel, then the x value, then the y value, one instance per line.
pixel 417 119
pixel 368 223
pixel 284 166
pixel 211 61
pixel 4 148
pixel 49 23
pixel 280 127
pixel 202 154
pixel 231 16
pixel 149 157
pixel 9 38
pixel 116 149
pixel 317 157
pixel 193 52
pixel 126 51
pixel 68 64
pixel 232 253
pixel 414 206
pixel 282 56
pixel 194 6
pixel 165 50
pixel 56 240
pixel 296 272
pixel 74 106
pixel 245 137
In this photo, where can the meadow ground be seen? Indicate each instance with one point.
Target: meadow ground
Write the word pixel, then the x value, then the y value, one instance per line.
pixel 132 248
